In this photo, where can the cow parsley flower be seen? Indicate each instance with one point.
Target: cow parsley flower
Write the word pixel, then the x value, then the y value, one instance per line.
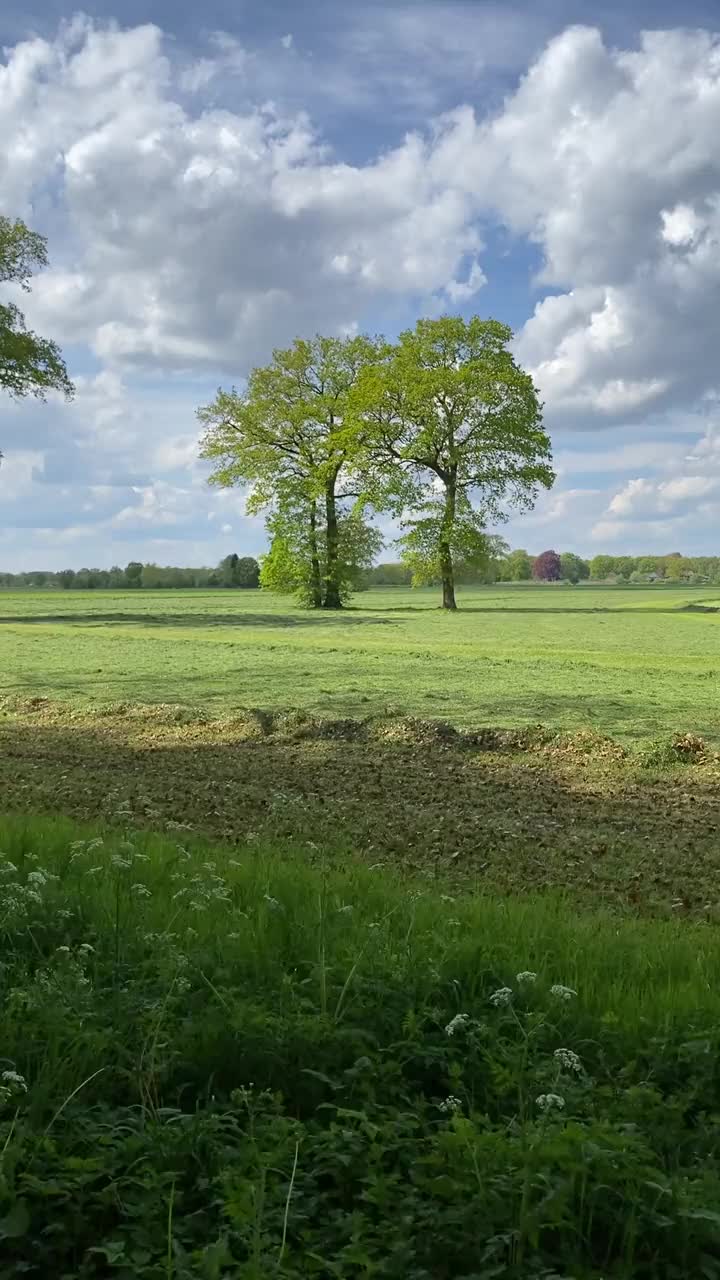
pixel 568 1060
pixel 550 1102
pixel 451 1104
pixel 502 997
pixel 459 1020
pixel 13 1080
pixel 562 993
pixel 526 976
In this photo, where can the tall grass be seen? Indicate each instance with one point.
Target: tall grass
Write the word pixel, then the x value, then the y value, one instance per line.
pixel 233 1063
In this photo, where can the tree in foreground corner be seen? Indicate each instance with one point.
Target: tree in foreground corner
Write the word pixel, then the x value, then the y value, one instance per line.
pixel 454 440
pixel 29 365
pixel 547 567
pixel 288 437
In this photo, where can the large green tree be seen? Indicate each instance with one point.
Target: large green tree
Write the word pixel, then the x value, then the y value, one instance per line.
pixel 29 365
pixel 455 436
pixel 289 438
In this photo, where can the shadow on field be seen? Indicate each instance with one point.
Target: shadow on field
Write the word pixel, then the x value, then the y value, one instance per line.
pixel 507 822
pixel 188 620
pixel 552 609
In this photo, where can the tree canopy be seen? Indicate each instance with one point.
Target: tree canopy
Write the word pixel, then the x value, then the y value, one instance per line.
pixel 288 437
pixel 29 365
pixel 452 439
pixel 547 567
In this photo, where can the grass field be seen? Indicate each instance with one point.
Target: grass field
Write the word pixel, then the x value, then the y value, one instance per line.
pixel 618 821
pixel 222 1064
pixel 321 959
pixel 631 662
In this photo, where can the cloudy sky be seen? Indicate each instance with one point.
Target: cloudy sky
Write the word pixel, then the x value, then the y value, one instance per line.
pixel 217 179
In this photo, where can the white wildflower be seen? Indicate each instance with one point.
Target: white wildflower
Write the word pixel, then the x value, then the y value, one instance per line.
pixel 272 902
pixel 502 997
pixel 85 948
pixel 140 891
pixel 37 877
pixel 64 950
pixel 13 1080
pixel 568 1060
pixel 526 976
pixel 460 1020
pixel 550 1102
pixel 121 864
pixel 562 993
pixel 450 1104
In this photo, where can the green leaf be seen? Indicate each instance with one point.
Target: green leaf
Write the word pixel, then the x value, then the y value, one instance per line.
pixel 15 1223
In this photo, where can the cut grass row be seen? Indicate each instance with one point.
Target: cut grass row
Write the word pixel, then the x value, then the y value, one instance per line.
pixel 509 813
pixel 239 1065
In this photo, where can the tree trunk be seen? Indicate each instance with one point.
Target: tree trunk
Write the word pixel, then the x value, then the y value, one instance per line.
pixel 332 586
pixel 447 570
pixel 315 583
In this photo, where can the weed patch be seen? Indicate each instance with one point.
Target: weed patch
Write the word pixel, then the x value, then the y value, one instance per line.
pixel 223 1062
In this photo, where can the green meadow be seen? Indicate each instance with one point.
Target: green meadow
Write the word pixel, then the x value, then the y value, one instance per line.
pixel 631 662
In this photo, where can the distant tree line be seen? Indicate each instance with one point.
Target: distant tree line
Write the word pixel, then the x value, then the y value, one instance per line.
pixel 500 565
pixel 551 566
pixel 233 571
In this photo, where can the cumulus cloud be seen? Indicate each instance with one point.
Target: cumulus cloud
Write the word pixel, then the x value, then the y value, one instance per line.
pixel 608 160
pixel 193 229
pixel 686 499
pixel 201 238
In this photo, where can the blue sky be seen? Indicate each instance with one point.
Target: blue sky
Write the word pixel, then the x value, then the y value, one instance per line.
pixel 213 182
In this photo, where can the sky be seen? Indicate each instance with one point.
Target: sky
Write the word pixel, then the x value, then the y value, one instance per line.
pixel 215 180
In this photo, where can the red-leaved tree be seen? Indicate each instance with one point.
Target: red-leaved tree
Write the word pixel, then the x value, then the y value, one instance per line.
pixel 547 568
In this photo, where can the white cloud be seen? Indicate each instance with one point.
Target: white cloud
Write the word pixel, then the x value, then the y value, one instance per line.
pixel 193 228
pixel 687 499
pixel 607 159
pixel 202 239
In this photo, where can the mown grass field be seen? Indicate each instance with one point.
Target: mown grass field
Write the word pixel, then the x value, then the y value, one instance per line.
pixel 632 662
pixel 311 968
pixel 224 1064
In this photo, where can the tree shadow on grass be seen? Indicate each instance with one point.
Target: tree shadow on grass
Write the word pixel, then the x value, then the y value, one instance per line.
pixel 189 620
pixel 514 822
pixel 552 609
